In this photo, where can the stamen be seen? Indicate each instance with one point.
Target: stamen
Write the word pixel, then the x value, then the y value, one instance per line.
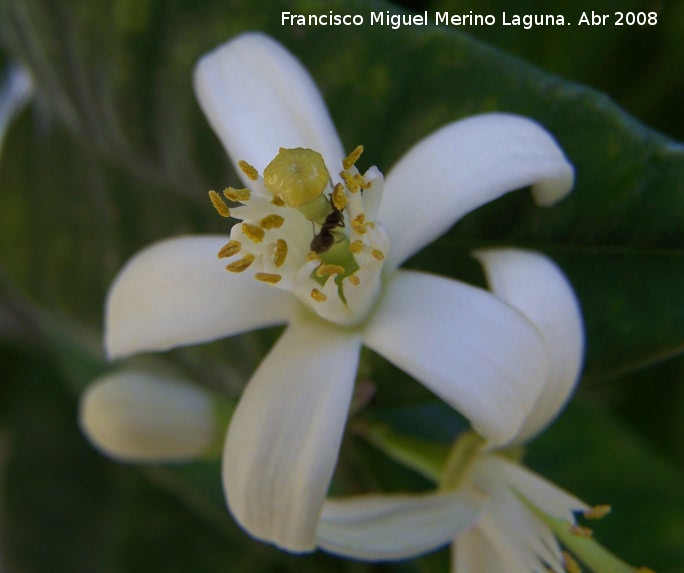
pixel 571 566
pixel 597 512
pixel 241 264
pixel 356 247
pixel 278 201
pixel 349 181
pixel 271 222
pixel 279 253
pixel 237 195
pixel 379 255
pixel 253 232
pixel 581 531
pixel 318 296
pixel 359 224
pixel 348 162
pixel 339 198
pixel 325 270
pixel 229 249
pixel 247 169
pixel 219 204
pixel 270 278
pixel 353 279
pixel 363 184
pixel 312 256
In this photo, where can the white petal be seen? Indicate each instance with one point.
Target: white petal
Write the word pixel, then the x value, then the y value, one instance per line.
pixel 176 292
pixel 258 98
pixel 15 92
pixel 139 417
pixel 463 166
pixel 284 437
pixel 536 286
pixel 377 527
pixel 474 351
pixel 472 552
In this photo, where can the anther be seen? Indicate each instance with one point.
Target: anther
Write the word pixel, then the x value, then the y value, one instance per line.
pixel 359 224
pixel 271 222
pixel 312 256
pixel 571 566
pixel 363 184
pixel 356 247
pixel 278 201
pixel 581 531
pixel 348 162
pixel 597 512
pixel 237 195
pixel 353 279
pixel 253 232
pixel 270 278
pixel 318 296
pixel 247 169
pixel 279 253
pixel 349 181
pixel 241 264
pixel 377 254
pixel 219 204
pixel 325 270
pixel 229 249
pixel 339 198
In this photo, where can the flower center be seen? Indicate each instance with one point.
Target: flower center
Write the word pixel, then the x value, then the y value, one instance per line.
pixel 304 233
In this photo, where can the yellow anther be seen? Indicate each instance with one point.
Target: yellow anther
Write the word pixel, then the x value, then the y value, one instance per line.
pixel 350 181
pixel 349 161
pixel 363 184
pixel 278 201
pixel 645 570
pixel 252 232
pixel 359 224
pixel 219 204
pixel 353 279
pixel 312 256
pixel 237 195
pixel 241 264
pixel 597 512
pixel 271 222
pixel 581 531
pixel 297 176
pixel 377 254
pixel 279 253
pixel 270 278
pixel 318 296
pixel 339 198
pixel 571 566
pixel 229 249
pixel 325 270
pixel 247 169
pixel 356 247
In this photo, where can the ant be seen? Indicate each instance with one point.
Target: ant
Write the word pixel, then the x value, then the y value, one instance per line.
pixel 325 239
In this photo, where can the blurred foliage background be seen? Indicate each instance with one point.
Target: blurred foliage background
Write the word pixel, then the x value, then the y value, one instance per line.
pixel 113 153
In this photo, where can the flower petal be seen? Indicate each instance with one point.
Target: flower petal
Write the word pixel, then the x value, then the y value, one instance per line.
pixel 463 166
pixel 258 98
pixel 474 351
pixel 377 527
pixel 138 417
pixel 285 434
pixel 176 292
pixel 15 92
pixel 536 286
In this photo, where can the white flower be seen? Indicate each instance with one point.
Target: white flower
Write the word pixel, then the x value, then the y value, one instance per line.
pixel 501 532
pixel 470 348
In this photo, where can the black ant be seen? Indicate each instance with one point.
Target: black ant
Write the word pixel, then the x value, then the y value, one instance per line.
pixel 325 239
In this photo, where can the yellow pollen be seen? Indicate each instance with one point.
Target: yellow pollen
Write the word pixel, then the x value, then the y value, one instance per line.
pixel 581 531
pixel 312 256
pixel 278 201
pixel 297 175
pixel 219 204
pixel 325 270
pixel 279 253
pixel 318 296
pixel 271 222
pixel 241 264
pixel 363 184
pixel 247 169
pixel 270 278
pixel 348 162
pixel 339 199
pixel 237 195
pixel 359 224
pixel 353 279
pixel 253 232
pixel 349 181
pixel 229 249
pixel 571 566
pixel 379 255
pixel 356 247
pixel 597 512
